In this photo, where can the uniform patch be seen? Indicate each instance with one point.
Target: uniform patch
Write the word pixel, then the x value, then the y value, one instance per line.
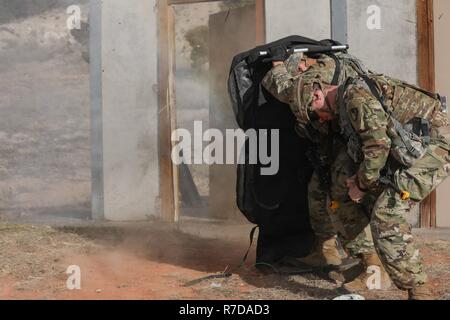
pixel 354 113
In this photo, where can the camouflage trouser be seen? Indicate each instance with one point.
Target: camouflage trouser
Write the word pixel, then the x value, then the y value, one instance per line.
pixel 391 232
pixel 349 221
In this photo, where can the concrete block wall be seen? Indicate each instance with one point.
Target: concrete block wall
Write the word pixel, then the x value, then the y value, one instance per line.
pixel 309 18
pixel 124 124
pixel 392 49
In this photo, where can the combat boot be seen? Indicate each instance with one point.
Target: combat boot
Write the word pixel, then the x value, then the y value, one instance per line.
pixel 326 253
pixel 422 292
pixel 360 283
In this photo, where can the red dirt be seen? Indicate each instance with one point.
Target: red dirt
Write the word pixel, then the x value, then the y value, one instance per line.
pixel 156 265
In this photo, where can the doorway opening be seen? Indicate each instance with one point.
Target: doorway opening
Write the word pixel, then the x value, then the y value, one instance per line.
pixel 198 41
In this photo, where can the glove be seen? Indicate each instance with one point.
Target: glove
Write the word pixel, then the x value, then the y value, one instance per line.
pixel 253 57
pixel 278 53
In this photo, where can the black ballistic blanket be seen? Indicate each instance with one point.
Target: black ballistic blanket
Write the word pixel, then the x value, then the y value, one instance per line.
pixel 278 204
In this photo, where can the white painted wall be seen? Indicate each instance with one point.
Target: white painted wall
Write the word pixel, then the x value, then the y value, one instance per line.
pixel 129 109
pixel 442 48
pixel 309 18
pixel 393 48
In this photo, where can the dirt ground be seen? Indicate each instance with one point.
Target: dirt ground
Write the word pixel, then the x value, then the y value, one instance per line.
pixel 157 261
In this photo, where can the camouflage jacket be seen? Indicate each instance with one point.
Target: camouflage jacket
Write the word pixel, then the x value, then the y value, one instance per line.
pixel 372 123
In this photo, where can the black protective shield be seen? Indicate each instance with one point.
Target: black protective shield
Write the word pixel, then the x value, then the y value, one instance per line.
pixel 279 203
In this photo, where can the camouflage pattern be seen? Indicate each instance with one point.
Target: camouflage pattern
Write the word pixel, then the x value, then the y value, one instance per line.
pixel 282 82
pixel 293 64
pixel 391 232
pixel 370 122
pixel 349 221
pixel 285 82
pixel 408 101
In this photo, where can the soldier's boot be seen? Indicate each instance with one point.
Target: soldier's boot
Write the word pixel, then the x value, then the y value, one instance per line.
pixel 326 253
pixel 360 283
pixel 422 292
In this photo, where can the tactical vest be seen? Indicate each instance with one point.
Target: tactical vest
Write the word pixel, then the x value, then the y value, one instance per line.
pixel 412 112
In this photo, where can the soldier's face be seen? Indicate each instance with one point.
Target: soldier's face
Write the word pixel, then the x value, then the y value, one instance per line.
pixel 320 107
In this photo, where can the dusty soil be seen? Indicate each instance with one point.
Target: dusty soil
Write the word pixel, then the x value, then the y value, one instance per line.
pixel 156 262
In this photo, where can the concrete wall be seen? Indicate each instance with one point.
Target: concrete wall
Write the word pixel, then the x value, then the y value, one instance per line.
pixel 125 152
pixel 391 49
pixel 442 48
pixel 310 18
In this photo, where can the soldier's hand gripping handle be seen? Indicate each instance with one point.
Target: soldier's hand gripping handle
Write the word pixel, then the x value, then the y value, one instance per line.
pixel 278 53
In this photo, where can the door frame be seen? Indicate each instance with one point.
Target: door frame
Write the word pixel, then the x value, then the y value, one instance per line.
pixel 168 172
pixel 426 79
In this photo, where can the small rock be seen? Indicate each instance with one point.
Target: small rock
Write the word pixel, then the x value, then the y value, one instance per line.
pixel 355 297
pixel 98 291
pixel 216 285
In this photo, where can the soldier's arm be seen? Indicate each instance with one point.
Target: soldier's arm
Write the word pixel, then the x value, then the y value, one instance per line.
pixel 280 83
pixel 370 121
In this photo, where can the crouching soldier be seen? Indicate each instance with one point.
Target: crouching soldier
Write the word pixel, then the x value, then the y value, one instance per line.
pixel 327 201
pixel 398 137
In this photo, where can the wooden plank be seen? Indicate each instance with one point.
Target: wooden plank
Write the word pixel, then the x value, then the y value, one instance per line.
pixel 172 109
pixel 164 119
pixel 260 22
pixel 426 70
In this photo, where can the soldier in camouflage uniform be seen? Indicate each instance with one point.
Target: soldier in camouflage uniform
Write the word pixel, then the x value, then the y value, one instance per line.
pixel 371 141
pixel 327 222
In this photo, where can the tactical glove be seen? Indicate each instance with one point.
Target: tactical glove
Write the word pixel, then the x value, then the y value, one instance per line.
pixel 278 53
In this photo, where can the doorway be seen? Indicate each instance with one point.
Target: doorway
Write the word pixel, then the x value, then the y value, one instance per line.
pixel 198 40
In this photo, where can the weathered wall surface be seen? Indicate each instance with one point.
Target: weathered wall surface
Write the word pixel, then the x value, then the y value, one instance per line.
pixel 309 18
pixel 442 47
pixel 392 49
pixel 128 164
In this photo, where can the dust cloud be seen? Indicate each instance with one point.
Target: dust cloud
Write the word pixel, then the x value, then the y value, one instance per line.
pixel 44 102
